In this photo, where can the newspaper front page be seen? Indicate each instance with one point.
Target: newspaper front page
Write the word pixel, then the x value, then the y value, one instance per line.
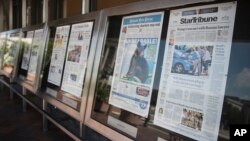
pixel 195 68
pixel 76 58
pixel 35 52
pixel 136 62
pixel 58 55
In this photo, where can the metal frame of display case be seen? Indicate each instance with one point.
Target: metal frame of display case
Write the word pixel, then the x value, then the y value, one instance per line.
pixel 25 86
pixel 136 7
pixel 78 115
pixel 22 81
pixel 46 117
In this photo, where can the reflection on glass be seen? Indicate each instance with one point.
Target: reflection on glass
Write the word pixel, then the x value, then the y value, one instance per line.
pixel 236 108
pixel 10 52
pixel 136 126
pixel 34 55
pixel 25 52
pixel 2 47
pixel 26 44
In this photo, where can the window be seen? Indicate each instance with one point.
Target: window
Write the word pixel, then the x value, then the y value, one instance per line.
pixel 17 14
pixel 55 9
pixel 34 12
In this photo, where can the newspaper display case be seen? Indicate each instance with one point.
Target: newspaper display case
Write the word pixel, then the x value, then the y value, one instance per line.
pixel 10 46
pixel 125 105
pixel 31 57
pixel 69 54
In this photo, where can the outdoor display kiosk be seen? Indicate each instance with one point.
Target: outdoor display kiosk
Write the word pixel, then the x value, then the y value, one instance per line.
pixel 70 53
pixel 10 45
pixel 30 63
pixel 29 67
pixel 160 71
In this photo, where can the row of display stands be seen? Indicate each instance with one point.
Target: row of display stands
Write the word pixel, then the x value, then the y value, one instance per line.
pixel 26 62
pixel 67 69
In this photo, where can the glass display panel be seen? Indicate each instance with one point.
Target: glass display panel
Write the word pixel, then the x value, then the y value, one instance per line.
pixel 195 68
pixel 77 58
pixel 131 124
pixel 25 54
pixel 136 61
pixel 27 50
pixel 67 53
pixel 234 101
pixel 10 52
pixel 34 55
pixel 2 47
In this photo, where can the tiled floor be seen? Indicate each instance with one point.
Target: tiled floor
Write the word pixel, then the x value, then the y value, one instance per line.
pixel 18 126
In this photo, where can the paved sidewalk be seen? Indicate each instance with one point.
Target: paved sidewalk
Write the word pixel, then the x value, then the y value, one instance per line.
pixel 18 126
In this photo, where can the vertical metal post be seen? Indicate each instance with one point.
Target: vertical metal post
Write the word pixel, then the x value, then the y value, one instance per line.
pixel 1 16
pixel 24 13
pixel 24 92
pixel 11 94
pixel 81 134
pixel 45 120
pixel 85 6
pixel 65 2
pixel 1 84
pixel 10 14
pixel 45 10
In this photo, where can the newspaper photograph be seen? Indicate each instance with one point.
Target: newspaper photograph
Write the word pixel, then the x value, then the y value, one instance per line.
pixel 194 73
pixel 27 50
pixel 58 55
pixel 35 52
pixel 192 119
pixel 136 61
pixel 192 60
pixel 76 58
